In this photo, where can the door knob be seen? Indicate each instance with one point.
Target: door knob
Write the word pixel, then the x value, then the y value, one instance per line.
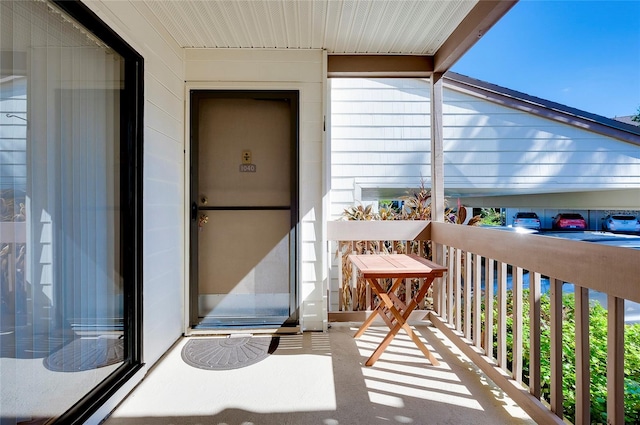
pixel 204 219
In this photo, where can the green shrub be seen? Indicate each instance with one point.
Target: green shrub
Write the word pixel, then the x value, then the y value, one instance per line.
pixel 598 348
pixel 491 217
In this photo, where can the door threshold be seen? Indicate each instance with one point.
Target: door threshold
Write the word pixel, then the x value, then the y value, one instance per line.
pixel 278 330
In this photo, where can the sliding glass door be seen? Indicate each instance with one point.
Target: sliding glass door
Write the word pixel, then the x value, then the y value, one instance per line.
pixel 68 212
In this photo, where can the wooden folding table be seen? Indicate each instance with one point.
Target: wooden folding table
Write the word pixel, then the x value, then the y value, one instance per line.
pixel 392 309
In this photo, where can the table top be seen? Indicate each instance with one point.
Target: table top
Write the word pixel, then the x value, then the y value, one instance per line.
pixel 396 265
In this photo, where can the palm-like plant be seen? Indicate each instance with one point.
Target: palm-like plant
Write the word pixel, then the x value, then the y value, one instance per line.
pixel 416 206
pixel 358 213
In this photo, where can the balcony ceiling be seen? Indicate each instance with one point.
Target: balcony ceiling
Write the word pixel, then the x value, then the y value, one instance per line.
pixel 347 27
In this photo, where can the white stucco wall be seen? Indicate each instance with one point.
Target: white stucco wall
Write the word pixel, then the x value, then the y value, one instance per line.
pixel 301 70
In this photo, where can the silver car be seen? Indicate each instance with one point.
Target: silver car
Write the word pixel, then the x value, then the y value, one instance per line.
pixel 527 220
pixel 621 223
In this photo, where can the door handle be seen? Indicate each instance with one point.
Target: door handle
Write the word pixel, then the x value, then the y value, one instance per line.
pixel 194 211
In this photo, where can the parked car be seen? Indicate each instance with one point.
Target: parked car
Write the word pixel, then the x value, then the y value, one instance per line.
pixel 621 223
pixel 529 220
pixel 569 221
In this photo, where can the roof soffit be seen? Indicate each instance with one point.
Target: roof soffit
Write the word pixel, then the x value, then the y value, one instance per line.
pixel 439 30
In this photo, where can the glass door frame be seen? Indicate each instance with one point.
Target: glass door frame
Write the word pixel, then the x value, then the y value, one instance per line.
pixel 293 97
pixel 131 201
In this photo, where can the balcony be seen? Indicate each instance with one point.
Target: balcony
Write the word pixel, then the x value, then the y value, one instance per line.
pixel 321 377
pixel 463 307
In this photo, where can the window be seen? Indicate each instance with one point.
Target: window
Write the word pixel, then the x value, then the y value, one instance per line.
pixel 70 161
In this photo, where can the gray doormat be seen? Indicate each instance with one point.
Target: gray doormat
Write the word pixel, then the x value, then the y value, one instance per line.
pixel 86 354
pixel 228 353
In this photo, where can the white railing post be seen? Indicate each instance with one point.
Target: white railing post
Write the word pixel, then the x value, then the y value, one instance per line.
pixel 340 280
pixel 439 292
pixel 488 307
pixel 467 294
pixel 354 280
pixel 450 278
pixel 458 290
pixel 502 315
pixel 477 298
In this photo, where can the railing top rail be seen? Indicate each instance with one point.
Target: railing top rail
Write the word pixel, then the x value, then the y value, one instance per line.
pixel 608 269
pixel 381 230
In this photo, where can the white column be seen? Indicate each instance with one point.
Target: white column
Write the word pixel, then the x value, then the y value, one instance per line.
pixel 437 177
pixel 437 155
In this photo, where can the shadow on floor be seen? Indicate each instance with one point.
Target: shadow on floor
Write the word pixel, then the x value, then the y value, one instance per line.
pixel 320 378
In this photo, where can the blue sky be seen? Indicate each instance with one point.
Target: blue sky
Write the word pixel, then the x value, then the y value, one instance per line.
pixel 580 53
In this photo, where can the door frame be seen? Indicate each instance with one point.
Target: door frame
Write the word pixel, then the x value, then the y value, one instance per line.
pixel 192 93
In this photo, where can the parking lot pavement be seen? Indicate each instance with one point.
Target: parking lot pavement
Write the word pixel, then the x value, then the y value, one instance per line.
pixel 604 238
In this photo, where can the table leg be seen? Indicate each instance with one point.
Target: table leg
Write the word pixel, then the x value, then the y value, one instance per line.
pixel 379 308
pixel 387 303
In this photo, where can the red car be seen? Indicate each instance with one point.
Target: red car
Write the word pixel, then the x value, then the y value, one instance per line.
pixel 569 221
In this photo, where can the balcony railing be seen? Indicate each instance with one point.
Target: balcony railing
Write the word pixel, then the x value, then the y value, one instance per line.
pixel 465 299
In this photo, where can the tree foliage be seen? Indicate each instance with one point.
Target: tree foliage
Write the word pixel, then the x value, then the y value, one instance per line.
pixel 636 117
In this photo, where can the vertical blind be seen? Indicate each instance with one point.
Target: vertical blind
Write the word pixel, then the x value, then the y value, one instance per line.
pixel 61 311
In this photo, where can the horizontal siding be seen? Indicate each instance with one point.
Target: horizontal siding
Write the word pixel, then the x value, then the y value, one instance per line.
pixel 361 96
pixel 353 107
pixel 553 144
pixel 381 158
pixel 410 176
pixel 13 134
pixel 379 145
pixel 606 160
pixel 475 130
pixel 382 132
pixel 19 144
pixel 375 123
pixel 379 120
pixel 381 138
pixel 379 83
pixel 378 170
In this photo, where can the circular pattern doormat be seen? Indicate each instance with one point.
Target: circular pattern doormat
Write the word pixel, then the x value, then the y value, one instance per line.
pixel 227 353
pixel 86 354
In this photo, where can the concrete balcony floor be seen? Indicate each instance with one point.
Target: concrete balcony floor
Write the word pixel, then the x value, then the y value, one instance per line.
pixel 320 378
